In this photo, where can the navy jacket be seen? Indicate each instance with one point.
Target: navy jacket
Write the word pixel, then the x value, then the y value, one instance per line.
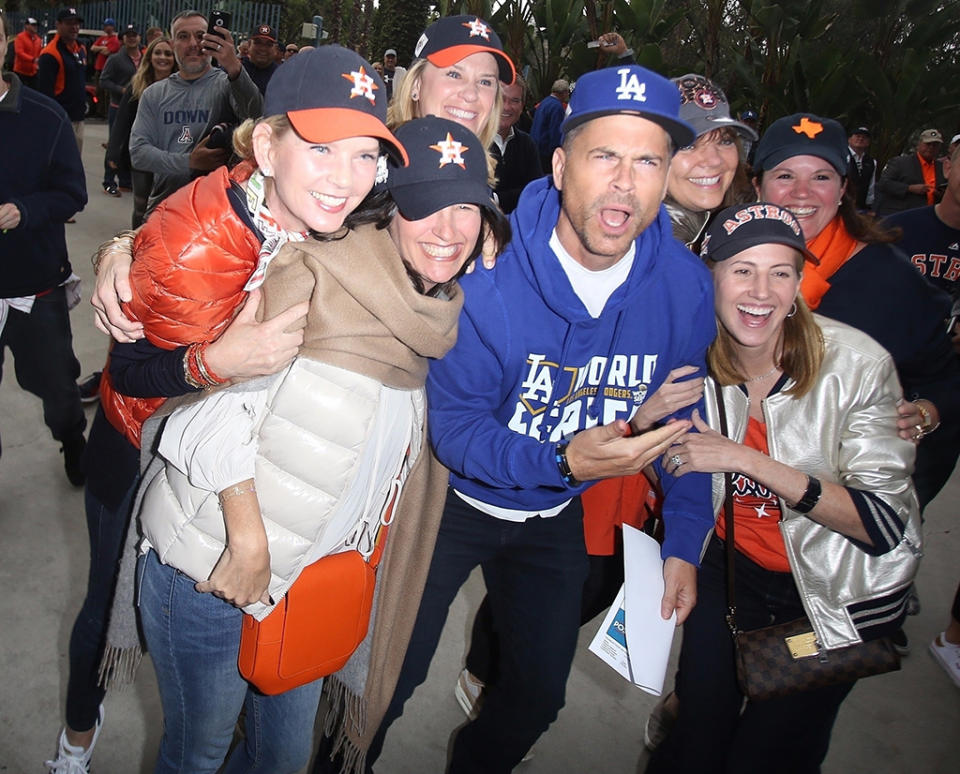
pixel 42 175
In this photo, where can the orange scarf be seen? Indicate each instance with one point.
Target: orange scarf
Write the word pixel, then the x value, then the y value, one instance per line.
pixel 833 246
pixel 929 170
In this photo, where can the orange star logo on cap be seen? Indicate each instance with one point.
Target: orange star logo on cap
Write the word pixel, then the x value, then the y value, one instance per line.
pixel 808 127
pixel 476 28
pixel 451 152
pixel 363 84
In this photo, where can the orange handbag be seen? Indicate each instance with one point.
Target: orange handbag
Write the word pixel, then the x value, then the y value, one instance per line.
pixel 316 627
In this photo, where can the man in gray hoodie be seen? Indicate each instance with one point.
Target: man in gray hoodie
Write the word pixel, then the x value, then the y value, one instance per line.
pixel 169 134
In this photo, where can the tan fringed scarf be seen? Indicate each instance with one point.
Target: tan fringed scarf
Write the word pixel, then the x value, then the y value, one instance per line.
pixel 833 246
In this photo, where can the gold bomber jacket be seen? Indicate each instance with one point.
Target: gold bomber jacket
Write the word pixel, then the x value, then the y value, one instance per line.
pixel 844 431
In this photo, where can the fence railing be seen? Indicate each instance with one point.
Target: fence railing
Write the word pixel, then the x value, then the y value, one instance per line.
pixel 148 13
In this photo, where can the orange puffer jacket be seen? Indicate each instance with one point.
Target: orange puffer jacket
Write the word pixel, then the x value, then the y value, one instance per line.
pixel 192 258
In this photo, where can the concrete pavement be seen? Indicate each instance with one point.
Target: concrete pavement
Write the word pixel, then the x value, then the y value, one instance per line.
pixel 903 723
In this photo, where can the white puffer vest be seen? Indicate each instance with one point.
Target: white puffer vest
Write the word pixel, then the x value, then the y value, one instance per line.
pixel 320 420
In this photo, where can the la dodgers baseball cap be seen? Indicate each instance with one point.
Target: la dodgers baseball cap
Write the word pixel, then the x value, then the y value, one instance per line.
pixel 628 90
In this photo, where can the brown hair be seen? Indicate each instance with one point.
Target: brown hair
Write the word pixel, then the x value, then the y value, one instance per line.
pixel 801 348
pixel 145 74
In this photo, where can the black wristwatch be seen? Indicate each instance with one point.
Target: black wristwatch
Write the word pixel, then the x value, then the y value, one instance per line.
pixel 563 466
pixel 811 497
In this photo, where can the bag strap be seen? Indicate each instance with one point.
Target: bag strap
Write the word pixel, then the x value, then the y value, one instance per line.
pixel 728 516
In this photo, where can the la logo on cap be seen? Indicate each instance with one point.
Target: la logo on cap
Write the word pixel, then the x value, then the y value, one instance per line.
pixel 478 28
pixel 630 86
pixel 808 127
pixel 451 152
pixel 363 85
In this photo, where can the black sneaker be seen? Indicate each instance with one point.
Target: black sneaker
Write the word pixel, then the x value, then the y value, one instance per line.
pixel 900 642
pixel 90 388
pixel 72 455
pixel 111 190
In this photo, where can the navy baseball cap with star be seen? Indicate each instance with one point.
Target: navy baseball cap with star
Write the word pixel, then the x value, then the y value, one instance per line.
pixel 803 134
pixel 628 90
pixel 452 38
pixel 743 226
pixel 69 14
pixel 448 165
pixel 351 103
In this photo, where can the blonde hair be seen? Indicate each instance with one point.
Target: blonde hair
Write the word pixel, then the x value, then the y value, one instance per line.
pixel 243 135
pixel 404 108
pixel 801 348
pixel 145 74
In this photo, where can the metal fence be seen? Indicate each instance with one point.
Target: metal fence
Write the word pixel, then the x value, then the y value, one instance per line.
pixel 149 13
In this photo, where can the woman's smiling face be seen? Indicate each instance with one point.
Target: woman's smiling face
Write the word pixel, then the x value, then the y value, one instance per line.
pixel 437 246
pixel 809 187
pixel 700 174
pixel 464 92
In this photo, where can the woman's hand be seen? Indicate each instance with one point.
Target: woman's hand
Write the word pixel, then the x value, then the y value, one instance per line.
pixel 112 262
pixel 705 451
pixel 241 576
pixel 250 348
pixel 670 397
pixel 910 422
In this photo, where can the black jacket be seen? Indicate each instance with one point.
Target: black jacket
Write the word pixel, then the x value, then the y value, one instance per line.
pixel 515 168
pixel 42 175
pixel 900 173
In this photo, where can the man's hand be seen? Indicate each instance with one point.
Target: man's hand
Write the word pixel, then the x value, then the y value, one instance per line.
pixel 605 451
pixel 221 47
pixel 920 189
pixel 204 159
pixel 250 348
pixel 679 589
pixel 9 216
pixel 612 43
pixel 113 287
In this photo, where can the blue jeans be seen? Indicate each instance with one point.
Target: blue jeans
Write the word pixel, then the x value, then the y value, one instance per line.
pixel 44 363
pixel 107 529
pixel 534 572
pixel 193 639
pixel 715 732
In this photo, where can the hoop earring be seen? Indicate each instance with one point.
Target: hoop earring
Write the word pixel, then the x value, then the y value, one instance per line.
pixel 793 310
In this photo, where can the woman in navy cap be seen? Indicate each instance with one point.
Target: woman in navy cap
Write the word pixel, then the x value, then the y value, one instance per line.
pixel 459 65
pixel 824 515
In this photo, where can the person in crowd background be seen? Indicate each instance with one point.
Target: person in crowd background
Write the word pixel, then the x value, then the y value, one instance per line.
pixel 117 72
pixel 62 70
pixel 863 168
pixel 547 119
pixel 168 135
pixel 516 153
pixel 158 62
pixel 101 49
pixel 913 179
pixel 42 184
pixel 261 63
pixel 27 47
pixel 392 72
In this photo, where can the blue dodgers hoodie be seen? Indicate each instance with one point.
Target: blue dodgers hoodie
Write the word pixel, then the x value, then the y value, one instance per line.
pixel 532 367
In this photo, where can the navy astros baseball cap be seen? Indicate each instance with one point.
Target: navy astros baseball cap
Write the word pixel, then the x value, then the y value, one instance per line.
pixel 448 165
pixel 803 134
pixel 351 103
pixel 742 226
pixel 628 90
pixel 264 31
pixel 451 38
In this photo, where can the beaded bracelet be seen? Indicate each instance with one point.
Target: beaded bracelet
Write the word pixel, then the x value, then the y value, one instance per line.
pixel 236 491
pixel 563 466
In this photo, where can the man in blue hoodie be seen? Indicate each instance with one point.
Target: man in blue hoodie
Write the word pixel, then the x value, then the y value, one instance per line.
pixel 586 312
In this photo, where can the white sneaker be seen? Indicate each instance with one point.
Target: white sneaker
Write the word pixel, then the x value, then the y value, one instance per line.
pixel 469 693
pixel 948 654
pixel 74 760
